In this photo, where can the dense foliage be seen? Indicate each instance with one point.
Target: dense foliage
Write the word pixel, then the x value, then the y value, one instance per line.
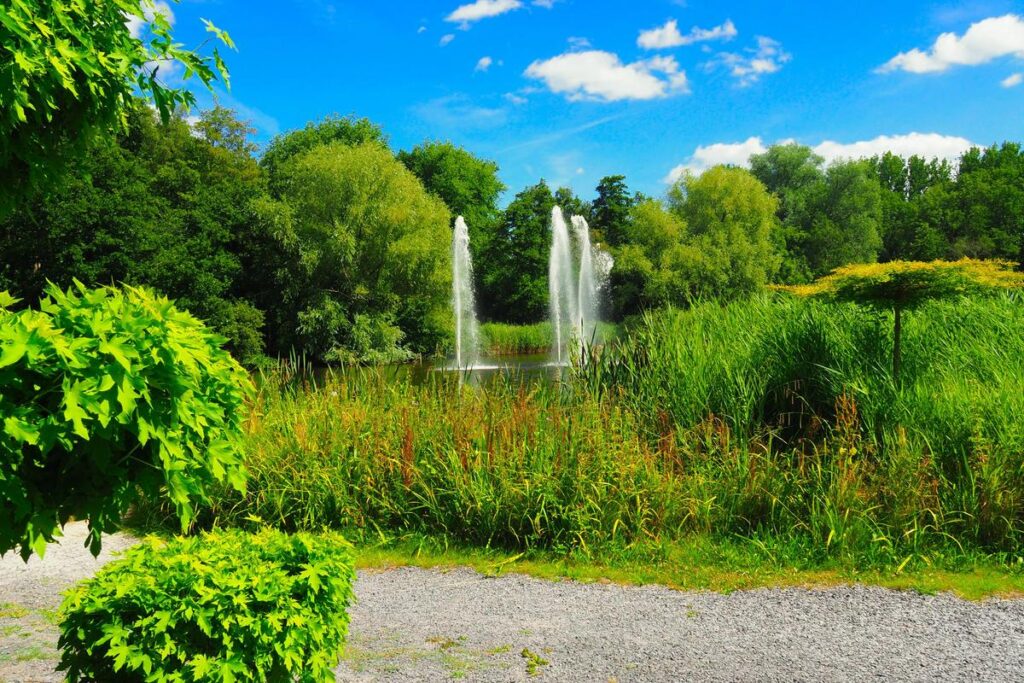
pixel 106 394
pixel 186 208
pixel 168 206
pixel 69 70
pixel 369 276
pixel 772 418
pixel 224 606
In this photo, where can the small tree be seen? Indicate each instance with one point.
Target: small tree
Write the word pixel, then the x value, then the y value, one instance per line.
pixel 904 285
pixel 106 395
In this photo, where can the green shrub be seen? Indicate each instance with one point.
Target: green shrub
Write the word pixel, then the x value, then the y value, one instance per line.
pixel 224 606
pixel 104 394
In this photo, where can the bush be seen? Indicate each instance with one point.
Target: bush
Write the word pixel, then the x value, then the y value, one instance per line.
pixel 106 394
pixel 224 606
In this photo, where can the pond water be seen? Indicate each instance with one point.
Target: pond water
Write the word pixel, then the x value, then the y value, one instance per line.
pixel 524 368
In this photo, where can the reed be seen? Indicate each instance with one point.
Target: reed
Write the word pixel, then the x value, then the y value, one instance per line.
pixel 771 420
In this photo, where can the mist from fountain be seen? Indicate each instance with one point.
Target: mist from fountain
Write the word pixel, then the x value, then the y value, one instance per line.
pixel 562 288
pixel 587 286
pixel 467 328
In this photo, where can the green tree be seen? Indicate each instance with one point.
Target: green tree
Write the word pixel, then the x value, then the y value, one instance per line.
pixel 158 205
pixel 348 130
pixel 467 184
pixel 840 219
pixel 611 210
pixel 369 251
pixel 829 217
pixel 989 203
pixel 105 396
pixel 515 264
pixel 730 246
pixel 641 277
pixel 900 286
pixel 69 71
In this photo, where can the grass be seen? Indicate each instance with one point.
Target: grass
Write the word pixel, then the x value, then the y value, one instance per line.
pixel 500 339
pixel 755 443
pixel 701 563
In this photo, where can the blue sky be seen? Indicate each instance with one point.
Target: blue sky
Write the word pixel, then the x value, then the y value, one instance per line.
pixel 573 90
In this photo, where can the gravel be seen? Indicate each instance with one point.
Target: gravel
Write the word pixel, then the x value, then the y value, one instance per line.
pixel 419 625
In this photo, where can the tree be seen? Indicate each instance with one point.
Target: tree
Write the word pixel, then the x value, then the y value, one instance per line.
pixel 467 184
pixel 158 206
pixel 829 217
pixel 611 210
pixel 730 246
pixel 840 218
pixel 347 130
pixel 900 286
pixel 515 264
pixel 69 71
pixel 369 253
pixel 107 395
pixel 641 277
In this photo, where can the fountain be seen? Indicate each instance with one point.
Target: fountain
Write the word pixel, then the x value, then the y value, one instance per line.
pixel 562 288
pixel 586 327
pixel 467 330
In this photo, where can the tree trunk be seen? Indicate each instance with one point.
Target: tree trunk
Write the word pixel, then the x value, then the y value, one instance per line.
pixel 897 353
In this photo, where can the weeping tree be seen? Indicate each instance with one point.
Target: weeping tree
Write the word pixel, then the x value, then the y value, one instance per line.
pixel 900 286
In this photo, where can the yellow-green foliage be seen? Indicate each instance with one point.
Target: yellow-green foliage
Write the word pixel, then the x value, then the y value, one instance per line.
pixel 103 393
pixel 908 284
pixel 224 606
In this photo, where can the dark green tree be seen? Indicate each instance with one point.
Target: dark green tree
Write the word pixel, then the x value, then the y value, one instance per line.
pixel 611 210
pixel 829 216
pixel 158 205
pixel 515 264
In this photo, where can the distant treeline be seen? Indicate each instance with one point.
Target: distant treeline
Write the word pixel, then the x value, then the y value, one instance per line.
pixel 328 243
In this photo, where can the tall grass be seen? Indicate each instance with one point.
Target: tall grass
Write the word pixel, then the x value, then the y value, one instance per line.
pixel 501 339
pixel 770 420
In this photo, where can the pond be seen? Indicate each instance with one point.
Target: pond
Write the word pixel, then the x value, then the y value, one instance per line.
pixel 521 368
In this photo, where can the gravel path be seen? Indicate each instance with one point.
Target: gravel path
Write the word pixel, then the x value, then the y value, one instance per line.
pixel 417 625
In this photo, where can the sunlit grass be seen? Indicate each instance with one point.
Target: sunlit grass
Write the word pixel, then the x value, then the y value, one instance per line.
pixel 773 424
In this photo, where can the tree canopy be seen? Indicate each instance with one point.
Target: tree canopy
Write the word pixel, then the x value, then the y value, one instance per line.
pixel 368 276
pixel 69 70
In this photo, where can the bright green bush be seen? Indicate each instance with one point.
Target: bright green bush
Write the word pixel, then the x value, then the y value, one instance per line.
pixel 104 394
pixel 224 606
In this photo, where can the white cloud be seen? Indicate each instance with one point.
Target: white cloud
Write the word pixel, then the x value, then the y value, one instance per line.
pixel 445 39
pixel 149 10
pixel 927 145
pixel 599 75
pixel 482 9
pixel 484 64
pixel 704 157
pixel 515 99
pixel 983 41
pixel 1012 81
pixel 767 58
pixel 578 43
pixel 669 35
pixel 421 29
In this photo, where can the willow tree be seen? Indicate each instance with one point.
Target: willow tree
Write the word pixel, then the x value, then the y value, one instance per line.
pixel 900 286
